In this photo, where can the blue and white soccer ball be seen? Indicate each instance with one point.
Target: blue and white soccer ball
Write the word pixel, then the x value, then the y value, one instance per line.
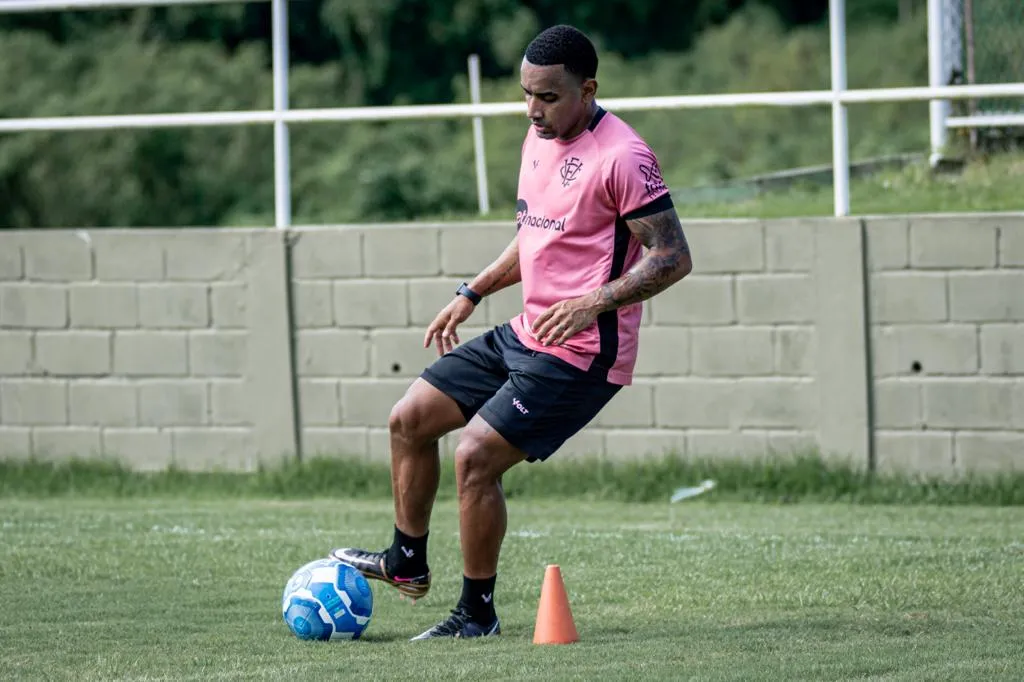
pixel 327 599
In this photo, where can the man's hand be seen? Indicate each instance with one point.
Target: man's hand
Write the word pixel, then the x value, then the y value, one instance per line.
pixel 442 329
pixel 563 320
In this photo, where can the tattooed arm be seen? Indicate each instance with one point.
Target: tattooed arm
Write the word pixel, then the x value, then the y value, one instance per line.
pixel 666 262
pixel 502 273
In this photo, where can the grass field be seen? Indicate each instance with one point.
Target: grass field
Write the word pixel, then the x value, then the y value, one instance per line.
pixel 167 587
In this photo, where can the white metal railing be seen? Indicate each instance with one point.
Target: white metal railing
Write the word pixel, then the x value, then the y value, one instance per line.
pixel 838 97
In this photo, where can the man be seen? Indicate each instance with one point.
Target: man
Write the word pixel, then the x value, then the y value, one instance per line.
pixel 590 198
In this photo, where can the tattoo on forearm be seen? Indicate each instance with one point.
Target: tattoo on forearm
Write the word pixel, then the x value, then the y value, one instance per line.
pixel 507 276
pixel 666 261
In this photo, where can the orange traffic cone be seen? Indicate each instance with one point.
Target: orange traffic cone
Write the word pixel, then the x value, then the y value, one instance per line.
pixel 554 617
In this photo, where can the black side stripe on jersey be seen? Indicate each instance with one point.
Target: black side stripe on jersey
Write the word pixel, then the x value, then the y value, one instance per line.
pixel 662 203
pixel 608 322
pixel 597 119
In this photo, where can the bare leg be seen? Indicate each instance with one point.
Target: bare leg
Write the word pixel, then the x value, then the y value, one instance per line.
pixel 417 421
pixel 482 456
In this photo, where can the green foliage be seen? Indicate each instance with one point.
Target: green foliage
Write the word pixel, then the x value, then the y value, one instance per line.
pixel 352 53
pixel 786 479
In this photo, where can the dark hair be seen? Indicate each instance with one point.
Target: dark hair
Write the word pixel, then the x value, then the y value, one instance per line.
pixel 564 45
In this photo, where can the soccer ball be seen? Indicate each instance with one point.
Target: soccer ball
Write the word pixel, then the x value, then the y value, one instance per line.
pixel 327 599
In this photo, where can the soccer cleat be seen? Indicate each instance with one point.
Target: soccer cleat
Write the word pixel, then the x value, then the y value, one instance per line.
pixel 373 566
pixel 459 625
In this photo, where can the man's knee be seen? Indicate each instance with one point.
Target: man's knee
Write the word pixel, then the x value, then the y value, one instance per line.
pixel 471 460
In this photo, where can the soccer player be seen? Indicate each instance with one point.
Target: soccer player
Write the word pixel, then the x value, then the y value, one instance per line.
pixel 591 197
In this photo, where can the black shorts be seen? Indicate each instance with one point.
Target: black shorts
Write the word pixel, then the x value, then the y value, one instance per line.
pixel 533 399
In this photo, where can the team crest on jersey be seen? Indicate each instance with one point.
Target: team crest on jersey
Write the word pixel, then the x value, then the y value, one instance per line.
pixel 653 181
pixel 570 170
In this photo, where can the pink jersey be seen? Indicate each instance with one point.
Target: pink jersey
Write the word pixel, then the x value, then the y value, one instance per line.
pixel 574 197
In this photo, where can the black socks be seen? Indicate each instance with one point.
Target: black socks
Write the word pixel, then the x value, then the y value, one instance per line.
pixel 478 599
pixel 407 556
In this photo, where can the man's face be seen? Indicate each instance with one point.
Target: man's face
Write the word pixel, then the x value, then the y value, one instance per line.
pixel 557 102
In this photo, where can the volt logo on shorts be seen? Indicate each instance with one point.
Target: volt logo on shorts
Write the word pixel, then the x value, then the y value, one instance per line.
pixel 519 406
pixel 525 219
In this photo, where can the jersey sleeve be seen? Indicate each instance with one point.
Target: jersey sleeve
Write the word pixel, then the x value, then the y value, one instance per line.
pixel 634 178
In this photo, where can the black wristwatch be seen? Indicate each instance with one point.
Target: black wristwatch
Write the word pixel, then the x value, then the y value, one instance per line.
pixel 464 290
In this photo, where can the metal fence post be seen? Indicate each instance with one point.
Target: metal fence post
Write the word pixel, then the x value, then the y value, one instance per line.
pixel 840 132
pixel 282 161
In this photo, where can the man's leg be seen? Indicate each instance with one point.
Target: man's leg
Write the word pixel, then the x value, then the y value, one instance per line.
pixel 417 421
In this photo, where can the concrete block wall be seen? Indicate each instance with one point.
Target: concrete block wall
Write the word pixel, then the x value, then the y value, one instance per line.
pixel 892 341
pixel 947 332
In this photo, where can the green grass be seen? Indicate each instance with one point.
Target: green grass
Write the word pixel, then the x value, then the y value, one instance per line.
pixel 166 587
pixel 782 479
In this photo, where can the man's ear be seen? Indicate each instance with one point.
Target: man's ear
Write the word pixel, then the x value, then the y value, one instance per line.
pixel 589 90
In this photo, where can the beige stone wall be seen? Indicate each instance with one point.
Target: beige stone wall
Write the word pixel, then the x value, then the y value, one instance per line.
pixel 223 348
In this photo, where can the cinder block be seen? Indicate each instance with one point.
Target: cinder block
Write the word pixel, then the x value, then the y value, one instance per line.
pixel 588 444
pixel 634 444
pixel 57 255
pixel 32 402
pixel 694 403
pixel 427 297
pixel 888 243
pixel 150 353
pixel 139 449
pixel 732 351
pixel 726 247
pixel 927 349
pixel 776 403
pixel 368 402
pixel 370 303
pixel 104 306
pixel 928 454
pixel 503 305
pixel 173 403
pixel 791 442
pixel 11 266
pixel 726 444
pixel 102 403
pixel 962 242
pixel 333 353
pixel 795 351
pixel 976 403
pixel 217 353
pixel 319 441
pixel 16 354
pixel 66 442
pixel 695 300
pixel 908 297
pixel 228 305
pixel 129 255
pixel 989 453
pixel 174 306
pixel 1011 244
pixel 1002 348
pixel 314 307
pixel 631 406
pixel 789 245
pixel 15 442
pixel 33 306
pixel 775 299
pixel 327 253
pixel 399 353
pixel 229 403
pixel 213 449
pixel 664 351
pixel 73 353
pixel 467 249
pixel 206 255
pixel 320 402
pixel 378 445
pixel 898 404
pixel 987 296
pixel 401 251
